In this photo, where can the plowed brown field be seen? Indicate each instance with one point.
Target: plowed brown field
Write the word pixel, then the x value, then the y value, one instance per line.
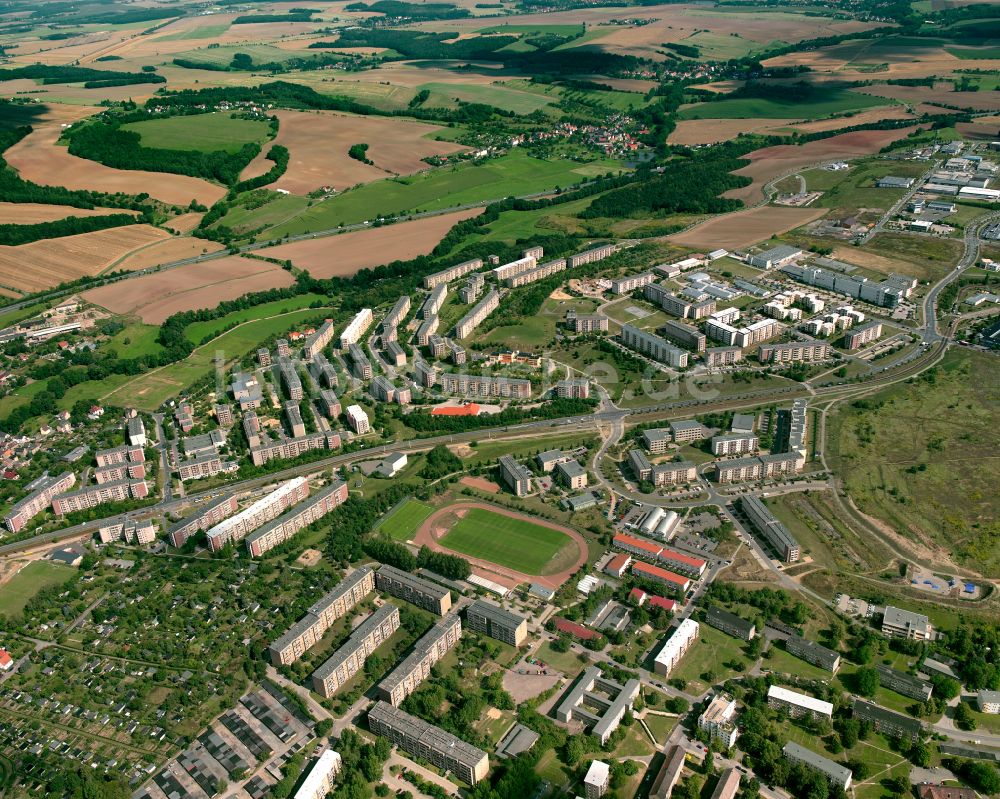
pixel 318 144
pixel 743 228
pixel 338 256
pixel 166 252
pixel 44 264
pixel 33 213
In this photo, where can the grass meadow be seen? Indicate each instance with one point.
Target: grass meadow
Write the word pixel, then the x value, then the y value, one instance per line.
pixel 403 522
pixel 39 574
pixel 202 132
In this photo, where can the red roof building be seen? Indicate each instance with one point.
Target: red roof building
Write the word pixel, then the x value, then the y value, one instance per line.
pixel 659 575
pixel 618 565
pixel 944 792
pixel 638 596
pixel 662 602
pixel 637 546
pixel 6 661
pixel 576 630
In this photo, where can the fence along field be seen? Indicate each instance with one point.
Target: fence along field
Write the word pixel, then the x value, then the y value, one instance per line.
pixel 402 523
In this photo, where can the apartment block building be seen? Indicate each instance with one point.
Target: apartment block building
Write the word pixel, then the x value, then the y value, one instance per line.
pixel 796 704
pixel 679 561
pixel 313 626
pixel 416 667
pixel 207 464
pixel 759 467
pixel 674 473
pixel 357 419
pixel 430 743
pixel 425 374
pixel 121 471
pixel 728 785
pixel 360 365
pixel 641 468
pixel 586 322
pixel 899 623
pixel 263 357
pixel 598 701
pixel 573 388
pixel 290 380
pixel 539 272
pixel 395 354
pixel 516 267
pixel 427 329
pixel 572 475
pixel 129 531
pixel 794 351
pixel 293 447
pixel 730 623
pixel 887 293
pixel 224 415
pixel 675 646
pixel 202 519
pixel 416 590
pixel 743 337
pixel 236 528
pixel 516 476
pixel 42 492
pixel 773 531
pixel 685 335
pixel 321 369
pixel 484 385
pixel 488 619
pixel 593 254
pixel 630 283
pixel 811 652
pixel 734 444
pixel 356 328
pixel 92 496
pixel 293 415
pixel 662 576
pixel 988 701
pixel 903 683
pixel 686 431
pixel 835 773
pixel 718 719
pixel 651 345
pixel 888 722
pixel 319 340
pixel 283 348
pixel 685 309
pixel 298 517
pixel 397 314
pixel 865 334
pixel 119 455
pixel 320 780
pixel 656 439
pixel 350 657
pixel 329 403
pixel 722 356
pixel 452 273
pixel 487 305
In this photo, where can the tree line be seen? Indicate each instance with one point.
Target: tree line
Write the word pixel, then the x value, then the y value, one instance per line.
pixel 91 78
pixel 70 226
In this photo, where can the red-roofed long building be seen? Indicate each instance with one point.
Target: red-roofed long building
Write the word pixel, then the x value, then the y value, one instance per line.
pixel 576 630
pixel 662 576
pixel 686 564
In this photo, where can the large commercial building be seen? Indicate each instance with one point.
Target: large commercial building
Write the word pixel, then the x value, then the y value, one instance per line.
pixel 42 493
pixel 676 645
pixel 479 312
pixel 496 622
pixel 793 351
pixel 887 722
pixel 416 590
pixel 311 627
pixel 797 704
pixel 886 293
pixel 811 652
pixel 835 773
pixel 651 345
pixel 92 496
pixel 235 528
pixel 356 328
pixel 202 519
pixel 452 273
pixel 598 702
pixel 416 667
pixel 774 257
pixel 427 742
pixel 484 385
pixel 773 531
pixel 516 476
pixel 300 516
pixel 350 658
pixel 899 623
pixel 685 309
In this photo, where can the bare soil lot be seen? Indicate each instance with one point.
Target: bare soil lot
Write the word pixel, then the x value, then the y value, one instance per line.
pixel 343 255
pixel 318 143
pixel 709 131
pixel 941 93
pixel 770 162
pixel 38 158
pixel 33 213
pixel 744 228
pixel 204 285
pixel 44 264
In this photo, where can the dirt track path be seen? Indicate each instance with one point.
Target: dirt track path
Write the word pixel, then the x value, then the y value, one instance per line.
pixel 432 529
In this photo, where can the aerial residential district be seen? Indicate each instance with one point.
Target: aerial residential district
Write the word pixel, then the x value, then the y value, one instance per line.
pixel 513 400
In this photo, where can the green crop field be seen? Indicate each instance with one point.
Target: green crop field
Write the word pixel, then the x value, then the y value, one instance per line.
pixel 196 332
pixel 518 544
pixel 204 132
pixel 835 102
pixel 39 574
pixel 403 522
pixel 514 174
pixel 222 56
pixel 443 95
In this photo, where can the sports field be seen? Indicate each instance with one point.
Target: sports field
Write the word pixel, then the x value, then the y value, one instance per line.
pixel 204 132
pixel 14 594
pixel 507 541
pixel 405 520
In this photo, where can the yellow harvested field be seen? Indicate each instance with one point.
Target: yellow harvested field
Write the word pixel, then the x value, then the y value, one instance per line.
pixel 318 142
pixel 167 252
pixel 348 253
pixel 184 223
pixel 40 159
pixel 745 228
pixel 708 131
pixel 850 120
pixel 155 297
pixel 33 213
pixel 44 264
pixel 941 93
